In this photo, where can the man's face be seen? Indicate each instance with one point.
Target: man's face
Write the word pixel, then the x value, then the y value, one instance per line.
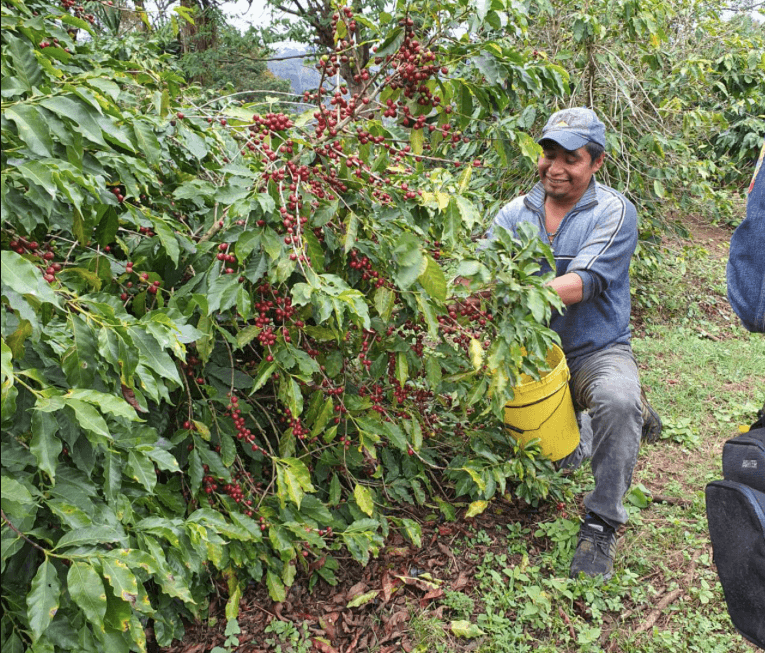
pixel 566 174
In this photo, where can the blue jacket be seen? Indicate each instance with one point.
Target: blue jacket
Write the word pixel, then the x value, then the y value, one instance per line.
pixel 596 239
pixel 746 263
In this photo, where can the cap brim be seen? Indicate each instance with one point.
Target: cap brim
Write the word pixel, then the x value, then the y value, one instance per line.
pixel 566 139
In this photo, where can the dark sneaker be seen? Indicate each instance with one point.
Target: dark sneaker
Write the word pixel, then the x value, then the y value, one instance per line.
pixel 594 555
pixel 651 421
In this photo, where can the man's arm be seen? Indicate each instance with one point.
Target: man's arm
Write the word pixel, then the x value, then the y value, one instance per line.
pixel 569 286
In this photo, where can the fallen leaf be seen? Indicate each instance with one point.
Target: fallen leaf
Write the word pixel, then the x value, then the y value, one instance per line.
pixel 323 646
pixel 388 586
pixel 462 581
pixel 433 594
pixel 397 551
pixel 465 629
pixel 358 588
pixel 197 648
pixel 397 618
pixel 362 599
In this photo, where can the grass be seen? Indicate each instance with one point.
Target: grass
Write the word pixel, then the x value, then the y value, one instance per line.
pixel 703 374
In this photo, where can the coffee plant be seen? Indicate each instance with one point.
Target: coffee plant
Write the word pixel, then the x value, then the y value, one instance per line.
pixel 235 341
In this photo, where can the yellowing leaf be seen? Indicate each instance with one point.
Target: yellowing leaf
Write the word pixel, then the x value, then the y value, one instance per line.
pixel 416 139
pixel 476 508
pixel 467 173
pixel 476 354
pixel 364 499
pixel 465 629
pixel 362 599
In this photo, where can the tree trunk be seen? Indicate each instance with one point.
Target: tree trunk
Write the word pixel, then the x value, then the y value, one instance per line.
pixel 202 35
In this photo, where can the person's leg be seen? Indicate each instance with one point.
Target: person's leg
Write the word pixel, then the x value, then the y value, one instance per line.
pixel 607 384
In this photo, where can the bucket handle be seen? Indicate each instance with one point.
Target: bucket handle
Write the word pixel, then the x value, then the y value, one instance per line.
pixel 544 421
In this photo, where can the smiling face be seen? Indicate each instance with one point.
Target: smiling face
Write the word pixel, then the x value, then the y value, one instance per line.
pixel 566 174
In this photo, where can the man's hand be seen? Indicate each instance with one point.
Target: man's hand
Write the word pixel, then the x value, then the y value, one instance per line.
pixel 569 287
pixel 474 300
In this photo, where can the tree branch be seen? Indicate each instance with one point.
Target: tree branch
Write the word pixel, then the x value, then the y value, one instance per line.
pixel 34 544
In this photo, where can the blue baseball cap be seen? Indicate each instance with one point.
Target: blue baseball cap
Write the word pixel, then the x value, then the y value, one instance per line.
pixel 574 128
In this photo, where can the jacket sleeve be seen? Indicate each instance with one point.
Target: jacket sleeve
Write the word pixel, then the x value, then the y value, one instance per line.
pixel 605 255
pixel 746 263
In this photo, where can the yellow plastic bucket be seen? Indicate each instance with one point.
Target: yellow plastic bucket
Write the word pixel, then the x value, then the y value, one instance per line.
pixel 543 409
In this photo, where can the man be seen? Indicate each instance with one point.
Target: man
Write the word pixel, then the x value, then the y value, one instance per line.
pixel 592 230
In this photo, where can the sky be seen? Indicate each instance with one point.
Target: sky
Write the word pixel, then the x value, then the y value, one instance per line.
pixel 242 17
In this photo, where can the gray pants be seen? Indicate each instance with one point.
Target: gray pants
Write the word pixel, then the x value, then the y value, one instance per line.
pixel 606 384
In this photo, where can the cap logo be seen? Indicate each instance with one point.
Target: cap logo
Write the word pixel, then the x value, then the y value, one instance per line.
pixel 562 123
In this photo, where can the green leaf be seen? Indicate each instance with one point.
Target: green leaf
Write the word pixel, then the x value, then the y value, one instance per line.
pixel 391 43
pixel 112 476
pixel 32 128
pixel 384 300
pixel 89 535
pixel 334 490
pixel 409 260
pixel 12 490
pixel 106 402
pixel 147 140
pixel 26 69
pixel 168 240
pixel 164 459
pixel 87 590
pixel 83 117
pixel 658 189
pixel 433 372
pixel 364 499
pixel 89 418
pixel 45 446
pixel 40 174
pixel 121 579
pixel 293 479
pixel 16 340
pixel 275 587
pixel 433 279
pixel 141 469
pixel 153 355
pixel 25 278
pixel 43 599
pixel 314 249
pixel 402 367
pixel 79 361
pixel 232 605
pixel 247 242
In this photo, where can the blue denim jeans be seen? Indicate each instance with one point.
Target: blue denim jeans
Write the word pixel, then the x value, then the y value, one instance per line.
pixel 606 385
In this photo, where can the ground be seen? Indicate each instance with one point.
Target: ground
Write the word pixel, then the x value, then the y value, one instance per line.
pixel 428 598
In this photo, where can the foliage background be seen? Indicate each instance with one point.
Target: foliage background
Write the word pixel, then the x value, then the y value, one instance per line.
pixel 169 433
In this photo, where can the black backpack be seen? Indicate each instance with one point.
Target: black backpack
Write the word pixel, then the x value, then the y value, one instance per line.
pixel 736 516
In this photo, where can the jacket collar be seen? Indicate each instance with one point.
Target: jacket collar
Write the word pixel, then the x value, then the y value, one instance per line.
pixel 536 197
